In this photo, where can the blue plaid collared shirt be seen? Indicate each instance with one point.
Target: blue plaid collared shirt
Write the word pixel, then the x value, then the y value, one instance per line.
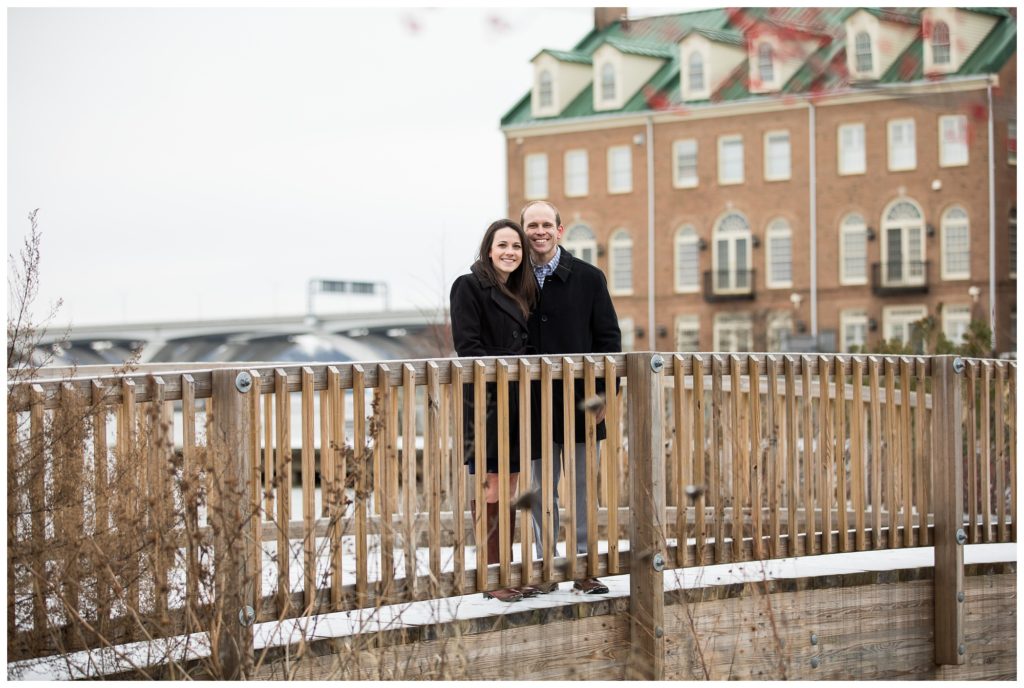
pixel 542 271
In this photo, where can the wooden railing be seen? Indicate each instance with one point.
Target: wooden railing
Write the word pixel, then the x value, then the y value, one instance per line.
pixel 161 502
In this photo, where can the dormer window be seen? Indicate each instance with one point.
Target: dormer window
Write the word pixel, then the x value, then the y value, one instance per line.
pixel 545 89
pixel 695 64
pixel 765 63
pixel 862 50
pixel 940 43
pixel 608 81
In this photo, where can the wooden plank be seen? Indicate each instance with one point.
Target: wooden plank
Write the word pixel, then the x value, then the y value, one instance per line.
pixel 268 451
pixel 792 479
pixel 504 477
pixel 973 531
pixel 986 455
pixel 459 477
pixel 949 554
pixel 68 449
pixel 127 459
pixel 101 464
pixel 191 471
pixel 326 465
pixel 255 512
pixel 647 501
pixel 385 498
pixel 335 496
pixel 233 587
pixel 920 458
pixel 282 487
pixel 826 454
pixel 480 458
pixel 740 459
pixel 718 518
pixel 1012 429
pixel 590 429
pixel 808 465
pixel 840 462
pixel 892 455
pixel 1000 453
pixel 362 481
pixel 857 462
pixel 876 453
pixel 525 473
pixel 308 490
pixel 758 457
pixel 613 446
pixel 569 460
pixel 907 468
pixel 681 472
pixel 547 485
pixel 432 458
pixel 409 502
pixel 700 459
pixel 776 458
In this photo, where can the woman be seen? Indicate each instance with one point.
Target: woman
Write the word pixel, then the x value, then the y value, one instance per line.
pixel 489 311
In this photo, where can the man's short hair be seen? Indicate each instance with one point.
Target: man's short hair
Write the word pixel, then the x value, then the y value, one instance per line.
pixel 522 213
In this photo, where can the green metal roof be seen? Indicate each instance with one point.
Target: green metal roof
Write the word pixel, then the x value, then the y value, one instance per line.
pixel 566 56
pixel 824 68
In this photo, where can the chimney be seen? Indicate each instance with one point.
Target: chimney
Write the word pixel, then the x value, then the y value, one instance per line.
pixel 606 16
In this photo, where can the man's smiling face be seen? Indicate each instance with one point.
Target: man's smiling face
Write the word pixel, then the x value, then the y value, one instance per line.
pixel 542 231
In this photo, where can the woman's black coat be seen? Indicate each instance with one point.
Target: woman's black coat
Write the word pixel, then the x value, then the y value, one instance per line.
pixel 486 322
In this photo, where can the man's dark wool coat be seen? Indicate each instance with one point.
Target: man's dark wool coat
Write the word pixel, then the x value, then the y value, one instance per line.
pixel 486 322
pixel 575 315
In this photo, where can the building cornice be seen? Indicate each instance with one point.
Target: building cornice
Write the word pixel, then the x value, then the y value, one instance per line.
pixel 849 96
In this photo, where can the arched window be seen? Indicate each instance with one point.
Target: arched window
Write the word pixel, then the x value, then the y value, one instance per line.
pixel 779 255
pixel 853 250
pixel 687 260
pixel 732 273
pixel 620 262
pixel 940 43
pixel 696 71
pixel 608 81
pixel 765 63
pixel 956 244
pixel 545 91
pixel 903 244
pixel 581 243
pixel 862 50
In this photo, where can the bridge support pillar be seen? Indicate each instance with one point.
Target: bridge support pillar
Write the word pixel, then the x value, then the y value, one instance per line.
pixel 645 424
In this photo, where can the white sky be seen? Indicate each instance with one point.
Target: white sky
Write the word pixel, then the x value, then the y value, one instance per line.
pixel 205 163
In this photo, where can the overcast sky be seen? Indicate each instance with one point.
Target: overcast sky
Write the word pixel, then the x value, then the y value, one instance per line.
pixel 205 163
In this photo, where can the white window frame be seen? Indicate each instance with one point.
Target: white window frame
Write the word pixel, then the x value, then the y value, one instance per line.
pixel 954 314
pixel 733 322
pixel 892 125
pixel 678 181
pixel 953 147
pixel 577 174
pixel 916 226
pixel 851 162
pixel 688 323
pixel 620 241
pixel 778 230
pixel 853 318
pixel 948 44
pixel 777 322
pixel 769 63
pixel 535 170
pixel 904 316
pixel 722 142
pixel 686 236
pixel 948 225
pixel 612 188
pixel 627 329
pixel 545 89
pixel 690 87
pixel 849 225
pixel 608 95
pixel 858 53
pixel 579 246
pixel 777 176
pixel 733 269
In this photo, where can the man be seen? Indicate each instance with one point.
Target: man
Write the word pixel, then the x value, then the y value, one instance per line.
pixel 574 314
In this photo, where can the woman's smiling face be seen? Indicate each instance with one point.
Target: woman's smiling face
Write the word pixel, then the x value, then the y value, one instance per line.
pixel 506 251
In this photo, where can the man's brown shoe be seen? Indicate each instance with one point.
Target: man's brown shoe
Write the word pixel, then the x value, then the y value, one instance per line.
pixel 546 587
pixel 504 595
pixel 528 590
pixel 590 586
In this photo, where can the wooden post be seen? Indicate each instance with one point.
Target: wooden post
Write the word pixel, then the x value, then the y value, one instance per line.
pixel 646 524
pixel 949 512
pixel 232 458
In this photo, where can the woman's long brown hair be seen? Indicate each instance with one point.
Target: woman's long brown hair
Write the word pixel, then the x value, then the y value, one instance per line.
pixel 521 285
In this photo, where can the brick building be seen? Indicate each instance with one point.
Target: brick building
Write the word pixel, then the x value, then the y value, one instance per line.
pixel 789 173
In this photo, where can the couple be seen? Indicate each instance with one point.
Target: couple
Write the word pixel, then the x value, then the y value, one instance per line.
pixel 526 295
